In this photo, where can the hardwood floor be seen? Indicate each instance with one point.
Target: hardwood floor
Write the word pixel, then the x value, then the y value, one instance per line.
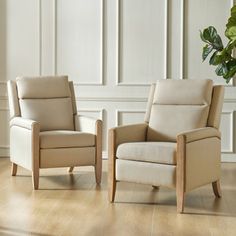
pixel 72 204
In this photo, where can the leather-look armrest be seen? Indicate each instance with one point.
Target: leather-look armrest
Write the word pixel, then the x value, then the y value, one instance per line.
pixel 23 123
pixel 128 133
pixel 201 133
pixel 87 124
pixel 198 158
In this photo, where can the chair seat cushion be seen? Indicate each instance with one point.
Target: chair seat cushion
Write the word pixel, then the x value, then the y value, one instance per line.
pixel 157 152
pixel 65 138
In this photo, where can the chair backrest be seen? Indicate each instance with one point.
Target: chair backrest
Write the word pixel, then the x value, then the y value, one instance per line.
pixel 175 106
pixel 49 100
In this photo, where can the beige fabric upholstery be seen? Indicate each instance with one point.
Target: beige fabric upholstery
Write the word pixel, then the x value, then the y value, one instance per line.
pixel 23 123
pixel 65 138
pixel 85 124
pixel 183 92
pixel 47 100
pixel 48 104
pixel 178 146
pixel 216 106
pixel 43 87
pixel 184 102
pixel 52 114
pixel 167 121
pixel 13 100
pixel 64 157
pixel 146 173
pixel 156 152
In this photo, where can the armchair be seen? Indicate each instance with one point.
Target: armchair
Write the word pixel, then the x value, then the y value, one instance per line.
pixel 177 146
pixel 45 129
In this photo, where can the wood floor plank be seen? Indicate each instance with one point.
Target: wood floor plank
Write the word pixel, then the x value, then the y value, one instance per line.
pixel 72 204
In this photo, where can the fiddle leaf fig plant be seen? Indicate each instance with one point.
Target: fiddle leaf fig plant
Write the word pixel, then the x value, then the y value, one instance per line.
pixel 220 56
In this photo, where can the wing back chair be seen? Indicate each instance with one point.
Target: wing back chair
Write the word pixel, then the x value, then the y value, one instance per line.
pixel 178 145
pixel 45 129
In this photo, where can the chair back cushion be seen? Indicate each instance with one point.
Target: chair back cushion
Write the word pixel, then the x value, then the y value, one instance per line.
pixel 46 100
pixel 178 106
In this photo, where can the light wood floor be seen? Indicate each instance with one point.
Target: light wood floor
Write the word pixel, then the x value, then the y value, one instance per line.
pixel 73 205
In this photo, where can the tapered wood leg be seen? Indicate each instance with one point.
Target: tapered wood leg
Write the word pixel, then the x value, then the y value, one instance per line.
pixel 155 187
pixel 111 165
pixel 98 173
pixel 70 169
pixel 180 172
pixel 216 188
pixel 35 178
pixel 98 164
pixel 180 202
pixel 13 169
pixel 112 190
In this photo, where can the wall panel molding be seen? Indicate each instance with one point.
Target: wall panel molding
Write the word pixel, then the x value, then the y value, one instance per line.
pixel 119 112
pixel 230 135
pixel 119 45
pixel 100 81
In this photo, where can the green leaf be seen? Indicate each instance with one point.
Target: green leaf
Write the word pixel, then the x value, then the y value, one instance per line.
pixel 215 59
pixel 221 69
pixel 202 38
pixel 230 33
pixel 206 51
pixel 231 22
pixel 233 10
pixel 210 36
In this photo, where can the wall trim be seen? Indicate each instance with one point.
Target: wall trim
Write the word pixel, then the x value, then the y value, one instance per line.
pixel 120 111
pixel 119 34
pixel 102 45
pixel 231 150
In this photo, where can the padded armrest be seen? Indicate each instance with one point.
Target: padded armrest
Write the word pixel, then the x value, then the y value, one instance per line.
pixel 87 124
pixel 23 123
pixel 201 133
pixel 128 133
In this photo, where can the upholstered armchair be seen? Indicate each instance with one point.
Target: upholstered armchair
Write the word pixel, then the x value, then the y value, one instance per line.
pixel 179 143
pixel 45 129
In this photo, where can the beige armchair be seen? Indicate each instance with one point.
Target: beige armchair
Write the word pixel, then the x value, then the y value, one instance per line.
pixel 178 145
pixel 45 129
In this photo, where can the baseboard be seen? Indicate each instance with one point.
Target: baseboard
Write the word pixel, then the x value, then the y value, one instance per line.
pixel 4 151
pixel 228 157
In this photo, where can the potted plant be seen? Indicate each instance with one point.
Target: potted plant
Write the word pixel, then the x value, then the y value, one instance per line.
pixel 220 56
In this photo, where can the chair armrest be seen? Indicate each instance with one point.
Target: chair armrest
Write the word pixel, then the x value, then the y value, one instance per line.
pixel 128 133
pixel 198 158
pixel 24 142
pixel 200 133
pixel 87 124
pixel 23 123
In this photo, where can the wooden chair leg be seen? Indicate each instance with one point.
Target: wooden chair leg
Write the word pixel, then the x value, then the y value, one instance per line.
pixel 155 187
pixel 112 190
pixel 35 178
pixel 98 173
pixel 13 169
pixel 70 170
pixel 216 188
pixel 180 201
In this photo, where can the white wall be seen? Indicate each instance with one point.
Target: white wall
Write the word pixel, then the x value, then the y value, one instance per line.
pixel 112 50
